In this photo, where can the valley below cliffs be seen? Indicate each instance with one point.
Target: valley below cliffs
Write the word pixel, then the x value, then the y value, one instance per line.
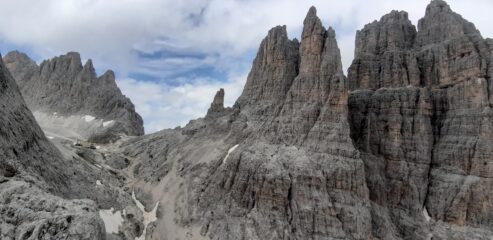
pixel 400 148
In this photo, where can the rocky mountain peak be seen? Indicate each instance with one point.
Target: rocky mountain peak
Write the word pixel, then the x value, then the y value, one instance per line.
pixel 88 72
pixel 440 23
pixel 312 43
pixel 217 105
pixel 20 65
pixel 18 56
pixel 274 69
pixel 438 6
pixel 383 42
pixel 33 172
pixel 64 89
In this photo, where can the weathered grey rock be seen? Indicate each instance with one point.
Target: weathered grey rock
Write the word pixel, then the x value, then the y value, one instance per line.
pixel 272 74
pixel 62 88
pixel 217 108
pixel 280 165
pixel 406 154
pixel 442 24
pixel 32 169
pixel 382 57
pixel 426 138
pixel 27 212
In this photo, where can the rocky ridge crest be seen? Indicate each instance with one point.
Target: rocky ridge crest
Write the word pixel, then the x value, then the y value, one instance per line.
pixel 63 91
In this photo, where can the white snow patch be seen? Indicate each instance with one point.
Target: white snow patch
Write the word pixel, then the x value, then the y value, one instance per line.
pixel 149 217
pixel 97 165
pixel 107 123
pixel 112 220
pixel 426 215
pixel 88 118
pixel 98 147
pixel 98 183
pixel 229 152
pixel 50 137
pixel 55 113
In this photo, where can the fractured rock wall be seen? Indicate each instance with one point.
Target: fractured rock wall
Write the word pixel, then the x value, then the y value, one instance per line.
pixel 423 119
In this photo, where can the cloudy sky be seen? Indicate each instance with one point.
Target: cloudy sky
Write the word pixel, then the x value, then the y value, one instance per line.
pixel 171 56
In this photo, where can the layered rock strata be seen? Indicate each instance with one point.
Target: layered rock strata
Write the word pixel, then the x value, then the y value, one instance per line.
pixel 420 113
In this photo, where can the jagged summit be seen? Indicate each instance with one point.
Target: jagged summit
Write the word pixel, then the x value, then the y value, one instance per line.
pixel 441 23
pixel 217 105
pixel 420 98
pixel 391 53
pixel 406 154
pixel 273 71
pixel 62 89
pixel 34 176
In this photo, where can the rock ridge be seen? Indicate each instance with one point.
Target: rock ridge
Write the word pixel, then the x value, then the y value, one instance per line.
pixel 62 86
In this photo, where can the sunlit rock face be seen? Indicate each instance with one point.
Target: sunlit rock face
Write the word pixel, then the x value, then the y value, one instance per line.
pixel 61 92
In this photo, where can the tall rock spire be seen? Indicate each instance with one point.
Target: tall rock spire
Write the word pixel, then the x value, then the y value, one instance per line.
pixel 320 83
pixel 312 44
pixel 217 105
pixel 273 71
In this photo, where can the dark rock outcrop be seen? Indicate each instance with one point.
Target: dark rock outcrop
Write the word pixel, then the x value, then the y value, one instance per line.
pixel 63 90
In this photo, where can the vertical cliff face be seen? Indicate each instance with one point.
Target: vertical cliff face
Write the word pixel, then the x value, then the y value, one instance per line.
pixel 425 129
pixel 382 57
pixel 317 89
pixel 65 92
pixel 31 169
pixel 273 71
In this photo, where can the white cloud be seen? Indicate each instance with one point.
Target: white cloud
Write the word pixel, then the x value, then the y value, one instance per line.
pixel 164 106
pixel 221 32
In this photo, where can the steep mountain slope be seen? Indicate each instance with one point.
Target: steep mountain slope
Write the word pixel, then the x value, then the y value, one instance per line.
pixel 421 116
pixel 68 98
pixel 31 168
